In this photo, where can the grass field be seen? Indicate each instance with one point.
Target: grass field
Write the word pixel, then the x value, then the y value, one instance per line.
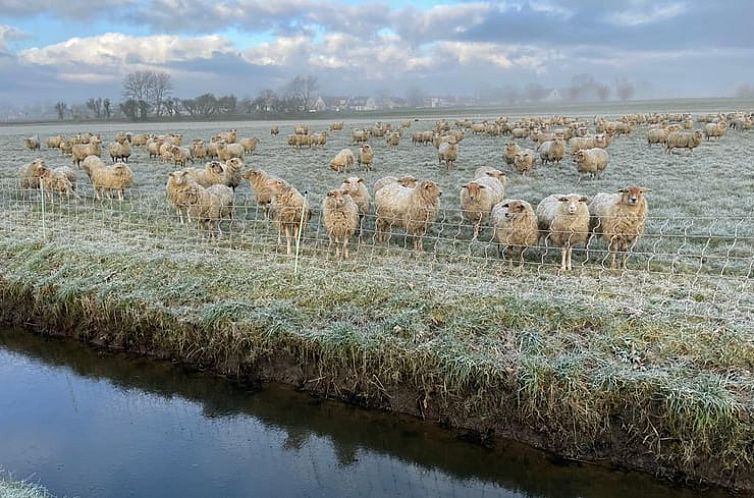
pixel 653 362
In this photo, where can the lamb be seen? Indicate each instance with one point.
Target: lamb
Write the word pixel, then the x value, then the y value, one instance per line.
pixel 227 151
pixel 340 216
pixel 29 174
pixel 591 161
pixel 210 206
pixel 552 151
pixel 232 170
pixel 366 156
pixel 249 144
pixel 181 155
pixel 479 196
pixel 32 143
pixel 564 221
pixel 342 160
pixel 290 211
pixel 274 130
pixel 447 153
pixel 354 186
pixel 61 180
pixel 116 178
pixel 524 161
pixel 212 174
pixel 620 219
pixel 511 149
pixel 119 151
pixel 407 181
pixel 683 140
pixel 515 228
pixel 79 152
pixel 178 192
pixel 259 182
pixel 413 208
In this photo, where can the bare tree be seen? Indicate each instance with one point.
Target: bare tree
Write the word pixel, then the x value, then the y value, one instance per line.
pixel 624 88
pixel 301 90
pixel 151 87
pixel 95 105
pixel 745 91
pixel 106 108
pixel 61 108
pixel 603 92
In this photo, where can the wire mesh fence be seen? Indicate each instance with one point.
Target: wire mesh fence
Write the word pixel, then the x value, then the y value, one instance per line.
pixel 695 266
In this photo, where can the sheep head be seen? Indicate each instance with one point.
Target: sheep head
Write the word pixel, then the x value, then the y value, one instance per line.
pixel 632 195
pixel 570 203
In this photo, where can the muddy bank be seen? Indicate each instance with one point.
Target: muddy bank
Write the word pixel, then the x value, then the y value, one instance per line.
pixel 484 410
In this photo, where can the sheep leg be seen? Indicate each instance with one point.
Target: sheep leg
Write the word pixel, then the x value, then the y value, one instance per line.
pixel 563 255
pixel 287 240
pixel 345 247
pixel 520 257
pixel 570 257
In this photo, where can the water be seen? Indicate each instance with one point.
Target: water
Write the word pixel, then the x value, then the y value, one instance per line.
pixel 86 423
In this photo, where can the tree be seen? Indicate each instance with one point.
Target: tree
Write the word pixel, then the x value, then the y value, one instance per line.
pixel 301 90
pixel 95 105
pixel 130 108
pixel 106 108
pixel 151 87
pixel 415 97
pixel 624 88
pixel 227 104
pixel 535 92
pixel 603 92
pixel 745 91
pixel 61 108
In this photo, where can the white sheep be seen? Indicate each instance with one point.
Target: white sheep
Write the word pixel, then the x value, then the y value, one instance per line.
pixel 447 153
pixel 290 211
pixel 406 180
pixel 260 183
pixel 509 154
pixel 620 219
pixel 591 161
pixel 340 216
pixel 355 187
pixel 413 208
pixel 366 156
pixel 683 140
pixel 212 174
pixel 210 206
pixel 564 221
pixel 552 151
pixel 515 227
pixel 342 160
pixel 523 161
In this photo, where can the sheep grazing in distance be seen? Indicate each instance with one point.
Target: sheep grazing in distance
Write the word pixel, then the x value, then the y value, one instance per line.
pixel 340 216
pixel 354 186
pixel 259 182
pixel 342 160
pixel 209 206
pixel 359 136
pixel 178 192
pixel 301 130
pixel 591 161
pixel 290 211
pixel 336 126
pixel 407 181
pixel 119 151
pixel 523 162
pixel 447 153
pixel 274 130
pixel 564 221
pixel 181 155
pixel 579 143
pixel 139 140
pixel 232 171
pixel 116 178
pixel 620 219
pixel 29 174
pixel 229 150
pixel 249 144
pixel 393 139
pixel 657 135
pixel 552 151
pixel 61 180
pixel 683 140
pixel 32 143
pixel 715 130
pixel 415 209
pixel 318 139
pixel 366 156
pixel 509 154
pixel 515 227
pixel 54 141
pixel 212 174
pixel 79 152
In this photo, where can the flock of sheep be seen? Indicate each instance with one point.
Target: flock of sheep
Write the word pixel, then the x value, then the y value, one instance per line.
pixel 565 220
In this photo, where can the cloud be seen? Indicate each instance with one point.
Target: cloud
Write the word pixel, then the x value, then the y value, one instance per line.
pixel 9 33
pixel 71 8
pixel 647 14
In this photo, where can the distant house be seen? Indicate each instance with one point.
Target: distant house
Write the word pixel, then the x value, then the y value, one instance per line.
pixel 336 103
pixel 553 96
pixel 362 104
pixel 319 104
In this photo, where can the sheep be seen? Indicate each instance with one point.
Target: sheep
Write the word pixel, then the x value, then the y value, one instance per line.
pixel 340 216
pixel 153 148
pixel 715 130
pixel 198 149
pixel 620 219
pixel 579 143
pixel 301 130
pixel 79 152
pixel 515 227
pixel 336 126
pixel 232 171
pixel 601 140
pixel 407 181
pixel 290 211
pixel 359 136
pixel 140 139
pixel 683 140
pixel 274 130
pixel 209 206
pixel 54 141
pixel 66 146
pixel 177 192
pixel 342 160
pixel 29 174
pixel 228 137
pixel 511 149
pixel 61 180
pixel 116 178
pixel 393 139
pixel 656 135
pixel 119 150
pixel 564 221
pixel 32 143
pixel 447 153
pixel 406 123
pixel 480 195
pixel 259 182
pixel 591 161
pixel 249 144
pixel 166 152
pixel 366 156
pixel 552 151
pixel 228 150
pixel 413 208
pixel 212 174
pixel 523 162
pixel 181 155
pixel 354 186
pixel 318 139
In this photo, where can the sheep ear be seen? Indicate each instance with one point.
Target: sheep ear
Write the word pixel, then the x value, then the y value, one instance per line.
pixel 645 190
pixel 361 180
pixel 622 191
pixel 482 186
pixel 506 205
pixel 563 199
pixel 465 185
pixel 584 198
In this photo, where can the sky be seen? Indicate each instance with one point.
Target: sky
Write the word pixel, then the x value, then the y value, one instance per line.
pixel 72 50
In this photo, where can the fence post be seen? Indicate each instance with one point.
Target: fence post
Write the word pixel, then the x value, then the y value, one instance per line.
pixel 300 232
pixel 44 223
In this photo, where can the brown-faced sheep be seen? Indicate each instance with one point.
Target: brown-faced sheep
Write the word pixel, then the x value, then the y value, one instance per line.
pixel 178 192
pixel 480 195
pixel 564 221
pixel 232 169
pixel 515 227
pixel 619 219
pixel 210 206
pixel 116 178
pixel 290 211
pixel 342 160
pixel 340 216
pixel 366 156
